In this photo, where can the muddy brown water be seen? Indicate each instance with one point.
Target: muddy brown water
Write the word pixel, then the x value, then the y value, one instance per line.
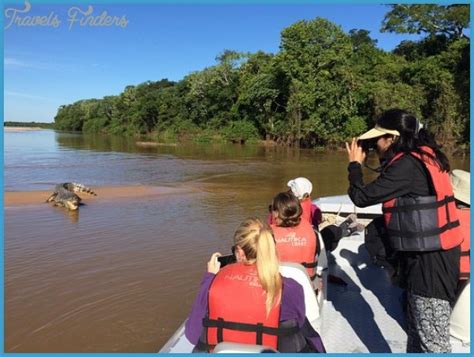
pixel 120 274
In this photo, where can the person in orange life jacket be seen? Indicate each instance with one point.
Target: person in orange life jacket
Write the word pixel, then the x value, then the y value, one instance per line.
pixel 295 238
pixel 461 181
pixel 249 301
pixel 301 187
pixel 414 188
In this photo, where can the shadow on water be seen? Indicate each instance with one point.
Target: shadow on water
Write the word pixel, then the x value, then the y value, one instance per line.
pixel 389 298
pixel 352 307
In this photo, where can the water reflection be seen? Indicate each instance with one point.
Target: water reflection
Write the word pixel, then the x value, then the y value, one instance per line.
pixel 73 216
pixel 94 142
pixel 41 159
pixel 190 150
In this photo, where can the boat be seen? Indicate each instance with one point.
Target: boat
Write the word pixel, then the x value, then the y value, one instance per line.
pixel 364 313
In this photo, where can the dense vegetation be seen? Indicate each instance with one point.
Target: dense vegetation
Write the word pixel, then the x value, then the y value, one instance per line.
pixel 323 86
pixel 31 124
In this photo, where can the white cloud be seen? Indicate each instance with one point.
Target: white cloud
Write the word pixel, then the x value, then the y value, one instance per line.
pixel 26 95
pixel 50 64
pixel 8 61
pixel 15 62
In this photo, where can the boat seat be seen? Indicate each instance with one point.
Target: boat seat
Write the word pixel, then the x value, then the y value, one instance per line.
pixel 460 317
pixel 298 273
pixel 232 347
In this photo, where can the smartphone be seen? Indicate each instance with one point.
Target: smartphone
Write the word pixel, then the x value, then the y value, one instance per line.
pixel 226 259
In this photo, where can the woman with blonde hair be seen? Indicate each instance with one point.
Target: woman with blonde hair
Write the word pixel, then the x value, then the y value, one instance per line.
pixel 249 301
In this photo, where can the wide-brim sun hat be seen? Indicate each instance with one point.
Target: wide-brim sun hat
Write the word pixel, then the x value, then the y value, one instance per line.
pixel 376 132
pixel 300 186
pixel 461 181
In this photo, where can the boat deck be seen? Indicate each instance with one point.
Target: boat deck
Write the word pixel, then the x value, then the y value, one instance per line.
pixel 366 314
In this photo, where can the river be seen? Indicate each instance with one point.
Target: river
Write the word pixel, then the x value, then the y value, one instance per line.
pixel 120 274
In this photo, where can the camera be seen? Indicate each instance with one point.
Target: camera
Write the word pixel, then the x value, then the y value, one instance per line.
pixel 367 145
pixel 226 259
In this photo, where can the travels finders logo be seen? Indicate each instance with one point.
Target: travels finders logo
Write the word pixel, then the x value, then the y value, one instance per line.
pixel 76 17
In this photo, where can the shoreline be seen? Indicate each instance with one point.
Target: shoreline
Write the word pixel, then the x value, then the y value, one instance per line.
pixel 104 194
pixel 21 128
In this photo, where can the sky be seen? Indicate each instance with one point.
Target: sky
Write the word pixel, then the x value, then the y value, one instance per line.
pixel 47 66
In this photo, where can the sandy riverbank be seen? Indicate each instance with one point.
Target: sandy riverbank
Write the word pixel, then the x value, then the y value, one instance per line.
pixel 103 194
pixel 21 128
pixel 154 144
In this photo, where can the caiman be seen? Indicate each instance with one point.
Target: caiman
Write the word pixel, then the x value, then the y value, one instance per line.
pixel 64 195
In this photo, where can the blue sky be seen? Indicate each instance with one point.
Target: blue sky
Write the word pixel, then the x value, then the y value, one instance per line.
pixel 45 67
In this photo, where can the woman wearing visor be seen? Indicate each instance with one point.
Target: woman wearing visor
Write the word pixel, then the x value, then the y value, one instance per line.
pixel 420 220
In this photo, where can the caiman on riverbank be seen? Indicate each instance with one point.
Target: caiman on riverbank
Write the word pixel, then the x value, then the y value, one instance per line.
pixel 64 195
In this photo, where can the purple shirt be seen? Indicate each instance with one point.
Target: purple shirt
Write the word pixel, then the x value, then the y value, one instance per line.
pixel 292 308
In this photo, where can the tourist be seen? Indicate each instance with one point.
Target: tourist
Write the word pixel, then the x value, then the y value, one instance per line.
pixel 301 187
pixel 252 292
pixel 295 238
pixel 420 220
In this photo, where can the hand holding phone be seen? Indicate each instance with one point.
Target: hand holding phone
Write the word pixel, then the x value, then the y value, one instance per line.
pixel 213 265
pixel 226 259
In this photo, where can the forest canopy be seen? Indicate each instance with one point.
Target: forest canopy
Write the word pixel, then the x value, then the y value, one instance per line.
pixel 322 87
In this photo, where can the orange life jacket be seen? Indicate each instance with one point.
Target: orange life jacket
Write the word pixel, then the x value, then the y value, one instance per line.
pixel 237 310
pixel 424 223
pixel 306 206
pixel 465 263
pixel 297 245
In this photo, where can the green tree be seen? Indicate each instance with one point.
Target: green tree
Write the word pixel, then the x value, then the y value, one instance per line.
pixel 315 55
pixel 361 40
pixel 431 19
pixel 212 92
pixel 261 93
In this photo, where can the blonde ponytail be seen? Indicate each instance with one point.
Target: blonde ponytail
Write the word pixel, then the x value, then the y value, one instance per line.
pixel 256 240
pixel 267 268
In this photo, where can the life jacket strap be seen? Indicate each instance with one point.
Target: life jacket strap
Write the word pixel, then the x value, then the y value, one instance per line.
pixel 466 253
pixel 419 206
pixel 258 328
pixel 430 233
pixel 310 265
